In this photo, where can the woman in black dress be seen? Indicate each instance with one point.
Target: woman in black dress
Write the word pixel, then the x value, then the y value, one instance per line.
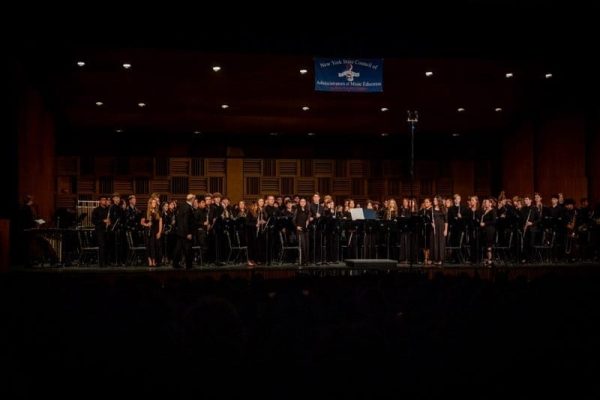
pixel 428 229
pixel 487 228
pixel 154 226
pixel 301 219
pixel 440 221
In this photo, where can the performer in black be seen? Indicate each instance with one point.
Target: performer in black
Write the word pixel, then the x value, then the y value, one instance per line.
pixel 184 229
pixel 101 221
pixel 456 224
pixel 487 226
pixel 272 213
pixel 301 220
pixel 440 221
pixel 315 232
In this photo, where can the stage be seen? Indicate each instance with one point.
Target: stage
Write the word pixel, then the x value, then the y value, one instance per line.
pixel 291 271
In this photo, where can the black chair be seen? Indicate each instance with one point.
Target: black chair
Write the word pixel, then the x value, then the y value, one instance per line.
pixel 87 246
pixel 543 250
pixel 457 248
pixel 287 246
pixel 135 247
pixel 502 246
pixel 235 246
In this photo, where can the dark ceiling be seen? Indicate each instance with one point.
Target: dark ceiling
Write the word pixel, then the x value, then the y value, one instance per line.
pixel 468 47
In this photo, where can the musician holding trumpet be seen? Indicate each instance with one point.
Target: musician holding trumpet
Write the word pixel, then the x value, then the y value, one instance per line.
pixel 101 221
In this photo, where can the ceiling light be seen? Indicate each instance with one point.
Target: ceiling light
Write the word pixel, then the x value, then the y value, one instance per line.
pixel 509 75
pixel 119 130
pixel 273 133
pixel 456 134
pixel 311 134
pixel 548 75
pixel 224 106
pixel 197 132
pixel 384 134
pixel 126 65
pixel 305 108
pixel 384 109
pixel 498 109
pixel 428 73
pixel 216 68
pixel 99 103
pixel 303 71
pixel 142 105
pixel 80 63
pixel 460 109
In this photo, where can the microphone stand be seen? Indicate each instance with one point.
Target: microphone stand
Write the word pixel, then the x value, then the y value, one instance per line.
pixel 412 119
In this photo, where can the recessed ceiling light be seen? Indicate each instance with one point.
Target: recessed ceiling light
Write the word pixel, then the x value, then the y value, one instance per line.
pixel 303 71
pixel 311 134
pixel 460 109
pixel 455 134
pixel 509 75
pixel 99 103
pixel 224 106
pixel 142 105
pixel 498 109
pixel 80 63
pixel 384 109
pixel 119 130
pixel 126 65
pixel 429 73
pixel 216 68
pixel 548 75
pixel 305 108
pixel 274 133
pixel 197 132
pixel 384 134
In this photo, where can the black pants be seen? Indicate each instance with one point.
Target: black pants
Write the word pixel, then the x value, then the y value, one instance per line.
pixel 184 246
pixel 303 238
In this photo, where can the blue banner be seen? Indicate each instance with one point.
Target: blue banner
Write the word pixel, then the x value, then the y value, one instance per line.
pixel 348 75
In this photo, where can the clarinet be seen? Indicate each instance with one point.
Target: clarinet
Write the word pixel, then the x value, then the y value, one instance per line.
pixel 525 229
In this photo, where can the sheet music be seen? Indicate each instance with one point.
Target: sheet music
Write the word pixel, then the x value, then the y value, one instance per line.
pixel 357 214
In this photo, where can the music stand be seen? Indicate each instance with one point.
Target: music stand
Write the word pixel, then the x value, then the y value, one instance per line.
pixel 357 214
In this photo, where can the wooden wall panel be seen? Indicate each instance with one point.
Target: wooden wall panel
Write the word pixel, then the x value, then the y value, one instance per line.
pixel 240 178
pixel 518 161
pixel 463 177
pixel 593 157
pixel 560 158
pixel 36 154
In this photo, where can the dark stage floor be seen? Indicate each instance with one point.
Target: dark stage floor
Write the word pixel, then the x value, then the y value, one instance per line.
pixel 286 271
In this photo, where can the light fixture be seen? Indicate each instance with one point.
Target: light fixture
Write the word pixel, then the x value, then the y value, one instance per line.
pixel 311 134
pixel 460 109
pixel 197 132
pixel 80 63
pixel 141 105
pixel 126 65
pixel 119 130
pixel 216 68
pixel 305 108
pixel 455 134
pixel 509 75
pixel 548 75
pixel 224 106
pixel 303 71
pixel 429 73
pixel 99 103
pixel 384 109
pixel 274 133
pixel 384 134
pixel 498 109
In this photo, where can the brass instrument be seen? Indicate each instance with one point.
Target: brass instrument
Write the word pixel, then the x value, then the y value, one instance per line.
pixel 525 229
pixel 571 234
pixel 261 223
